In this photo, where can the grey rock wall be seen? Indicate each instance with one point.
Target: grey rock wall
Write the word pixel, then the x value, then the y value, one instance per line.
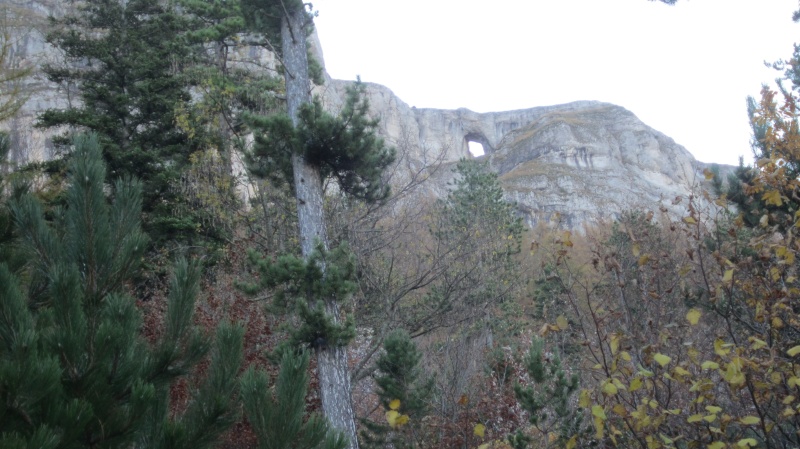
pixel 582 161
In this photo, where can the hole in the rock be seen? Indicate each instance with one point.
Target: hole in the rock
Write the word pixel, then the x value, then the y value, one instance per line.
pixel 476 149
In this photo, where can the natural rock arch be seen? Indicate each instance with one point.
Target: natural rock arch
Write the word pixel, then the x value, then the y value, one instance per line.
pixel 478 137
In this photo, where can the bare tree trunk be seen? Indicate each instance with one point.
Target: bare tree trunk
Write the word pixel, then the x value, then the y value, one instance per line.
pixel 334 377
pixel 221 52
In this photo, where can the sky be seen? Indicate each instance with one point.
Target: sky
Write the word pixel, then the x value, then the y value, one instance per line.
pixel 684 70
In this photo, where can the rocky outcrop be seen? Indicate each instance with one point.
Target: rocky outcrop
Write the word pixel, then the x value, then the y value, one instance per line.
pixel 581 161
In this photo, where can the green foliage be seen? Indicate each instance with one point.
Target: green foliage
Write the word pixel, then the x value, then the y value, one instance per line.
pixel 301 286
pixel 8 251
pixel 545 291
pixel 264 17
pixel 477 236
pixel 399 378
pixel 12 97
pixel 549 398
pixel 75 370
pixel 280 422
pixel 134 94
pixel 343 147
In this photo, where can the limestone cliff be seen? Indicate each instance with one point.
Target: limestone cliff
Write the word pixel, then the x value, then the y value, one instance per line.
pixel 583 160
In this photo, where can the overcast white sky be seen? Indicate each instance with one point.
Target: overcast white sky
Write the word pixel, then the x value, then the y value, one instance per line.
pixel 685 70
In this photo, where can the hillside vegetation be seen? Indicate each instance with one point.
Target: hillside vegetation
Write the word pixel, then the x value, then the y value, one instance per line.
pixel 145 302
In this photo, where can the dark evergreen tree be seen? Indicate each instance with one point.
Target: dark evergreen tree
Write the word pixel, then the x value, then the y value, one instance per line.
pixel 549 399
pixel 344 147
pixel 404 390
pixel 317 146
pixel 75 370
pixel 740 190
pixel 279 420
pixel 126 61
pixel 299 286
pixel 477 235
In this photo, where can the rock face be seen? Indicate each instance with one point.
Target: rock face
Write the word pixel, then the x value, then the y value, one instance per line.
pixel 584 161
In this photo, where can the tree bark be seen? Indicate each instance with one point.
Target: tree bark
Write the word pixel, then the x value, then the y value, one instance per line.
pixel 332 368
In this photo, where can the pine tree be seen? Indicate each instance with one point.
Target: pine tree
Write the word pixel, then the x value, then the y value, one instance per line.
pixel 280 421
pixel 403 392
pixel 75 370
pixel 477 235
pixel 548 399
pixel 344 149
pixel 133 93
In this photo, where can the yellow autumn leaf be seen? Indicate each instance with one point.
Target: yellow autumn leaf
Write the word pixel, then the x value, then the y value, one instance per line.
pixel 394 404
pixel 402 419
pixel 793 351
pixel 609 388
pixel 680 371
pixel 716 445
pixel 693 316
pixel 391 418
pixel 572 442
pixel 757 343
pixel 713 409
pixel 479 430
pixel 747 442
pixel 584 399
pixel 614 343
pixel 635 249
pixel 662 359
pixel 598 412
pixel 750 420
pixel 599 425
pixel 695 418
pixel 735 378
pixel 636 384
pixel 643 260
pixel 772 197
pixel 720 348
pixel 625 356
pixel 689 220
pixel 710 365
pixel 708 174
pixel 727 276
pixel 562 323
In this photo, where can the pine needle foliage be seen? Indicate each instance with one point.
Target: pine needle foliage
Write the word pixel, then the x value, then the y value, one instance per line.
pixel 344 147
pixel 75 370
pixel 399 378
pixel 135 95
pixel 548 398
pixel 300 286
pixel 279 420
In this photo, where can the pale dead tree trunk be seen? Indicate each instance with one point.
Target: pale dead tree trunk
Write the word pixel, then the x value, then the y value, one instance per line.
pixel 334 377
